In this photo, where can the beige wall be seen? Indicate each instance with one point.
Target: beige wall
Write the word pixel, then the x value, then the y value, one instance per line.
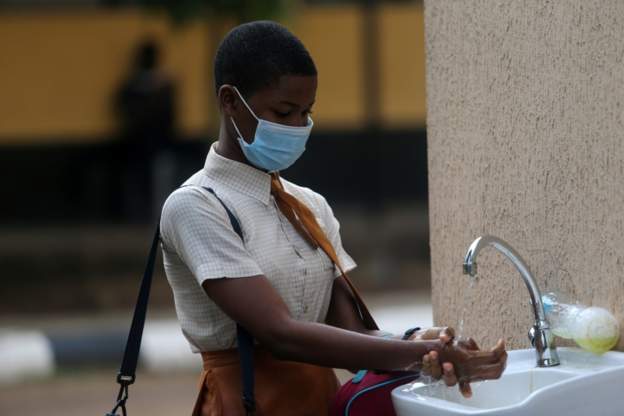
pixel 525 126
pixel 59 70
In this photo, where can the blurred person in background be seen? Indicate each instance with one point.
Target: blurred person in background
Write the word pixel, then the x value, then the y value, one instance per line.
pixel 284 281
pixel 145 107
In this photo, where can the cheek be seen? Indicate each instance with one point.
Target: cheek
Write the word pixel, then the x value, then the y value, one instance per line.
pixel 298 120
pixel 247 126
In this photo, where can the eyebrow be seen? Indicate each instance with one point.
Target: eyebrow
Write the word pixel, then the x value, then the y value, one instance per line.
pixel 295 105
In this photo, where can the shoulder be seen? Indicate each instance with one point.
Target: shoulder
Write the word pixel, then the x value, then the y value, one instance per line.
pixel 193 194
pixel 302 192
pixel 188 197
pixel 311 198
pixel 189 204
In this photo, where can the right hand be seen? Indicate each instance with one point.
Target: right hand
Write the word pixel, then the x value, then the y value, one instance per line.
pixel 470 364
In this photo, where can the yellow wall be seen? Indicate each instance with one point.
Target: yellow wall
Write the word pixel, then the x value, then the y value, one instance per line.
pixel 58 71
pixel 402 58
pixel 333 37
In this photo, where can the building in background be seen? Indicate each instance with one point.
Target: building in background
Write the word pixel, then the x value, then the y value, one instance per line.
pixel 64 62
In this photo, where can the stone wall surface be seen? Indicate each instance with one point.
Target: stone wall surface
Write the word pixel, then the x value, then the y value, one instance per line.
pixel 526 142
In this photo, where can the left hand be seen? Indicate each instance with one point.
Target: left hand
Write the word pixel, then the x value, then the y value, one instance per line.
pixel 431 363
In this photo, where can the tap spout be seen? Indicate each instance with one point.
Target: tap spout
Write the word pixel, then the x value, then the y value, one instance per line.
pixel 540 334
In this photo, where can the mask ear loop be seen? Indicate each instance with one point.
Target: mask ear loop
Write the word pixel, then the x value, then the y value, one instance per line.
pixel 237 130
pixel 245 102
pixel 248 108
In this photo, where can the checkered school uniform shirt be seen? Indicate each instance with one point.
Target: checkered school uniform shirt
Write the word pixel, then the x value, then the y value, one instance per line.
pixel 198 243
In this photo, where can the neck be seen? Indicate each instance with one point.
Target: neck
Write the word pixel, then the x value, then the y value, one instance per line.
pixel 228 147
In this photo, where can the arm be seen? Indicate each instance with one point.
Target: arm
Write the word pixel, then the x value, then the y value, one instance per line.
pixel 196 226
pixel 343 313
pixel 253 303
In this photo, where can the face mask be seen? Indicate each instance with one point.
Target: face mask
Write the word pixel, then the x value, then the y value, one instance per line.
pixel 275 146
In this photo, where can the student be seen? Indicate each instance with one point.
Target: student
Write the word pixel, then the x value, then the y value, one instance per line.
pixel 279 281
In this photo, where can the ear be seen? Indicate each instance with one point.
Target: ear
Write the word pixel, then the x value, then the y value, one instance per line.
pixel 228 100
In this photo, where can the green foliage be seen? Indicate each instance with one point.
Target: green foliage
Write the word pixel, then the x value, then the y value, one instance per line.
pixel 241 10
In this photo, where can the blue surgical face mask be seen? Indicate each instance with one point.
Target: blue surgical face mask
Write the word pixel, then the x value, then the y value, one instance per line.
pixel 275 146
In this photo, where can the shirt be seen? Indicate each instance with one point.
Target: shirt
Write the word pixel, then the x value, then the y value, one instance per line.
pixel 199 243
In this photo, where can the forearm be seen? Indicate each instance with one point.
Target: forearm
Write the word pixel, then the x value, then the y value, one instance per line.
pixel 329 346
pixel 255 305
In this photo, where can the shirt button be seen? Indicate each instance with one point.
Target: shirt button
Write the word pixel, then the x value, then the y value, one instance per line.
pixel 305 272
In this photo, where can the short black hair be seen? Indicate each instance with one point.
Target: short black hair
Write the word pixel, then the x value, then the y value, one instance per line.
pixel 255 55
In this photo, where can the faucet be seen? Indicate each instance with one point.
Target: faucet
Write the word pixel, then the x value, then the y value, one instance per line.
pixel 540 335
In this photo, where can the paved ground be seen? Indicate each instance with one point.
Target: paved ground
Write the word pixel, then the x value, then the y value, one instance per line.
pixel 93 393
pixel 81 393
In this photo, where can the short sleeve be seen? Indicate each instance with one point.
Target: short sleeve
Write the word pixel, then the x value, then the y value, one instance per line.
pixel 332 229
pixel 195 225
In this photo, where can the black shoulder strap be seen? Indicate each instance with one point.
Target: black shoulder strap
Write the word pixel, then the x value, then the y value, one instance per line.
pixel 126 375
pixel 127 372
pixel 244 338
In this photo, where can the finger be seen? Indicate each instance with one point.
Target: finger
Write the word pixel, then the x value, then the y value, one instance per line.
pixel 476 359
pixel 488 372
pixel 499 348
pixel 447 334
pixel 435 370
pixel 468 343
pixel 480 358
pixel 465 389
pixel 426 365
pixel 448 376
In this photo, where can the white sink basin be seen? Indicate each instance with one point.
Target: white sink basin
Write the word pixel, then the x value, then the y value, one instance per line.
pixel 584 384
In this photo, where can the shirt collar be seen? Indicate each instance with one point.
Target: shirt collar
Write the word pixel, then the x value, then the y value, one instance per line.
pixel 238 176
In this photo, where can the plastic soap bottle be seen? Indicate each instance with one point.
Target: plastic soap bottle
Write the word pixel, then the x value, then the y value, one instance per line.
pixel 592 328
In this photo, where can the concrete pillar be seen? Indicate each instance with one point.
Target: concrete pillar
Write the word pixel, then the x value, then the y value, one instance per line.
pixel 526 142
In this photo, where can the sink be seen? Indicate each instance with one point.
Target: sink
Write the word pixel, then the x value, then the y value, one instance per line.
pixel 487 395
pixel 584 384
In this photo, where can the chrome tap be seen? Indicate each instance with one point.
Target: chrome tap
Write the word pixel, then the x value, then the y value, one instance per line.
pixel 540 335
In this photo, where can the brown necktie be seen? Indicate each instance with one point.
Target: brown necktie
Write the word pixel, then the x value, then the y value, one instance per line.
pixel 304 221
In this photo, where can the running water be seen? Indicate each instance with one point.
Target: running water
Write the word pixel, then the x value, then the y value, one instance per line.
pixel 433 387
pixel 466 300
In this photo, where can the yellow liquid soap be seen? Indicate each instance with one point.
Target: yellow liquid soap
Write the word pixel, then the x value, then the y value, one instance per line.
pixel 597 345
pixel 596 330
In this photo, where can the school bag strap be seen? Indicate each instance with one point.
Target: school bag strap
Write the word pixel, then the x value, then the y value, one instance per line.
pixel 127 371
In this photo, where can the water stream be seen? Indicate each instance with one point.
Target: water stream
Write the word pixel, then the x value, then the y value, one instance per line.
pixel 435 387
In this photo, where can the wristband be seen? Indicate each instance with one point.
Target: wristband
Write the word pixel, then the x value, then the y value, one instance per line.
pixel 409 333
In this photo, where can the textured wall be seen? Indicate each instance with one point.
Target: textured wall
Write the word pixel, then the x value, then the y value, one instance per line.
pixel 525 130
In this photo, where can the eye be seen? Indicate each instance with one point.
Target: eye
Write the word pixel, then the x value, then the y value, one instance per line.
pixel 281 114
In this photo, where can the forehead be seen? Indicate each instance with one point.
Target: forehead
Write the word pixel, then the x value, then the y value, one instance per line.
pixel 297 89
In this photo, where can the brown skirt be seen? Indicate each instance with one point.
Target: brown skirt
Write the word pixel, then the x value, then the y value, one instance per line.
pixel 281 387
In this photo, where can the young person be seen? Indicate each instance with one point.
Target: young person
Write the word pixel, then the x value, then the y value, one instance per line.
pixel 284 280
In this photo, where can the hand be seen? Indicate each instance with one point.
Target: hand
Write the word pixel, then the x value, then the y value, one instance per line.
pixel 464 358
pixel 431 363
